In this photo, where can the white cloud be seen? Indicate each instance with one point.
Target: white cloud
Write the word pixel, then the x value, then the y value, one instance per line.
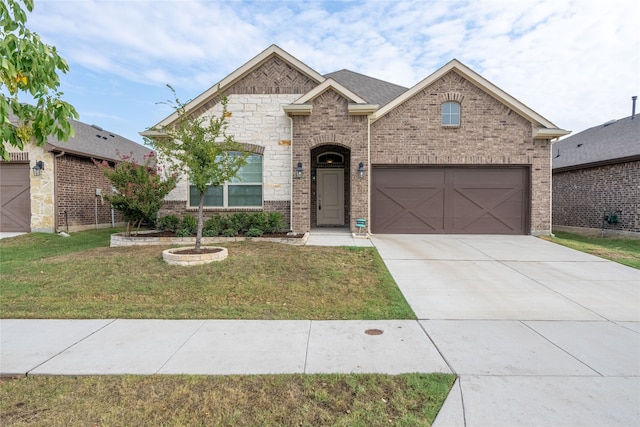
pixel 575 62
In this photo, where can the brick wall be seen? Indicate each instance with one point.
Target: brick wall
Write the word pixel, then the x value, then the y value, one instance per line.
pixel 329 125
pixel 76 181
pixel 490 133
pixel 581 197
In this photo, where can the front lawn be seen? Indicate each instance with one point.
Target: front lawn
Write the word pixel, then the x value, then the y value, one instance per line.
pixel 624 251
pixel 48 276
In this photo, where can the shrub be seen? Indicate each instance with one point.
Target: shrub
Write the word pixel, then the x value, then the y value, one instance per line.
pixel 213 226
pixel 168 223
pixel 184 232
pixel 189 223
pixel 229 232
pixel 254 232
pixel 276 222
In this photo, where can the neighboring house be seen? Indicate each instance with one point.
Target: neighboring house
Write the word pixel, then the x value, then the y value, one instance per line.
pixel 453 154
pixel 57 187
pixel 596 179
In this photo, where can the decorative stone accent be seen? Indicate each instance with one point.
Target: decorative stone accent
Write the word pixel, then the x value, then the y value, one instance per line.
pixel 119 239
pixel 174 257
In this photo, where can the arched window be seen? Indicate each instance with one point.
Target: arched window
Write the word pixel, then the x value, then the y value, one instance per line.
pixel 245 190
pixel 329 158
pixel 450 114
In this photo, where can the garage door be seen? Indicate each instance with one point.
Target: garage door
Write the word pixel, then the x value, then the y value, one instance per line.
pixel 15 198
pixel 443 200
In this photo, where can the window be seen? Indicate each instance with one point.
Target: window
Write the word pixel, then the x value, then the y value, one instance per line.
pixel 245 190
pixel 450 114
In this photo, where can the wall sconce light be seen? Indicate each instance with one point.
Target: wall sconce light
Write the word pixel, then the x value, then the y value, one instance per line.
pixel 38 168
pixel 361 170
pixel 299 170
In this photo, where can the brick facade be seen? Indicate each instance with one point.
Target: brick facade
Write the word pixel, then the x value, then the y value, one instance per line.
pixel 77 179
pixel 582 197
pixel 329 125
pixel 489 134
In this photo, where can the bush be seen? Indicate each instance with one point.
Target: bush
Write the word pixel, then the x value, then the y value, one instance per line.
pixel 229 232
pixel 168 223
pixel 213 226
pixel 189 224
pixel 254 232
pixel 276 222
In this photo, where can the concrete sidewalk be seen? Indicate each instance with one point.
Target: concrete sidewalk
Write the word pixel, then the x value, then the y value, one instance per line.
pixel 214 347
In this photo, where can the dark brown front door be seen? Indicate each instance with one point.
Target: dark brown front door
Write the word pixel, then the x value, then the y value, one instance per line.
pixel 456 200
pixel 15 197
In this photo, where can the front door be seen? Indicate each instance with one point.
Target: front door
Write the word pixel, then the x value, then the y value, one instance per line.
pixel 330 194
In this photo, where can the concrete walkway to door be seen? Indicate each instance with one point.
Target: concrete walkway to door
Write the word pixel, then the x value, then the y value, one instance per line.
pixel 539 334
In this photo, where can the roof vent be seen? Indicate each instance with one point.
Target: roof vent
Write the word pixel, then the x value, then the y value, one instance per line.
pixel 610 122
pixel 96 127
pixel 579 145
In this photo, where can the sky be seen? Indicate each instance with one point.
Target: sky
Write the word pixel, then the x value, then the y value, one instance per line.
pixel 576 63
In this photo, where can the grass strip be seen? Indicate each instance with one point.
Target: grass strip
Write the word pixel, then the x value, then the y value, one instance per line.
pixel 265 400
pixel 623 251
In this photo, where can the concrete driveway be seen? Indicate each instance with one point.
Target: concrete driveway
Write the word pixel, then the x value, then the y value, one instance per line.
pixel 539 334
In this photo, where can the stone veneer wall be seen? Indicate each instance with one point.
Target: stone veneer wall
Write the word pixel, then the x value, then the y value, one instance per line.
pixel 257 118
pixel 77 180
pixel 581 197
pixel 42 195
pixel 489 134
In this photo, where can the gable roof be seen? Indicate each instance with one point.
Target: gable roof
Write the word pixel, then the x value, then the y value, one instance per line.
pixel 95 142
pixel 372 90
pixel 543 128
pixel 616 141
pixel 239 73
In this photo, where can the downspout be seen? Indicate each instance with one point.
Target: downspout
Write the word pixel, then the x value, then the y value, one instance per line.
pixel 290 172
pixel 55 191
pixel 369 171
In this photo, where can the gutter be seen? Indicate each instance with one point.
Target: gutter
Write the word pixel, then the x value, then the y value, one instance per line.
pixel 633 158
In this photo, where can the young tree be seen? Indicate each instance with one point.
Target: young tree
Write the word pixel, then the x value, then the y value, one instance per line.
pixel 200 146
pixel 30 66
pixel 140 189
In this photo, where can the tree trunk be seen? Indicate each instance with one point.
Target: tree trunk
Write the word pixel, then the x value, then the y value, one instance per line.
pixel 200 221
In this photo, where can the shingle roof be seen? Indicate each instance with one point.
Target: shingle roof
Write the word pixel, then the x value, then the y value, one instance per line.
pixel 373 90
pixel 607 142
pixel 95 142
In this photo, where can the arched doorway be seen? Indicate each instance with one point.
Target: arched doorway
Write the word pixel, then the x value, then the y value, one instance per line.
pixel 330 186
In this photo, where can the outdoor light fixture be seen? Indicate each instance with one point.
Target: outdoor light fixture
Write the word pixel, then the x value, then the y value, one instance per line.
pixel 299 170
pixel 361 170
pixel 38 168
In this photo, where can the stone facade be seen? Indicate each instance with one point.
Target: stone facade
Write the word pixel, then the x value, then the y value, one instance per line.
pixel 582 197
pixel 42 194
pixel 489 134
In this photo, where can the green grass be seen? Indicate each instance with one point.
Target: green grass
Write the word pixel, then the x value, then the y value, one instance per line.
pixel 623 251
pixel 261 400
pixel 48 276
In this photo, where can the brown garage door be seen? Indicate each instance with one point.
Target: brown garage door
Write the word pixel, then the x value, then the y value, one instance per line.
pixel 456 200
pixel 15 198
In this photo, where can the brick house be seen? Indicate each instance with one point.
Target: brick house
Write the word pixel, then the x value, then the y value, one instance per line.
pixel 453 154
pixel 57 187
pixel 596 179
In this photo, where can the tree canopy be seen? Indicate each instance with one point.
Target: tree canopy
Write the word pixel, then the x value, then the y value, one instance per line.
pixel 29 66
pixel 201 146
